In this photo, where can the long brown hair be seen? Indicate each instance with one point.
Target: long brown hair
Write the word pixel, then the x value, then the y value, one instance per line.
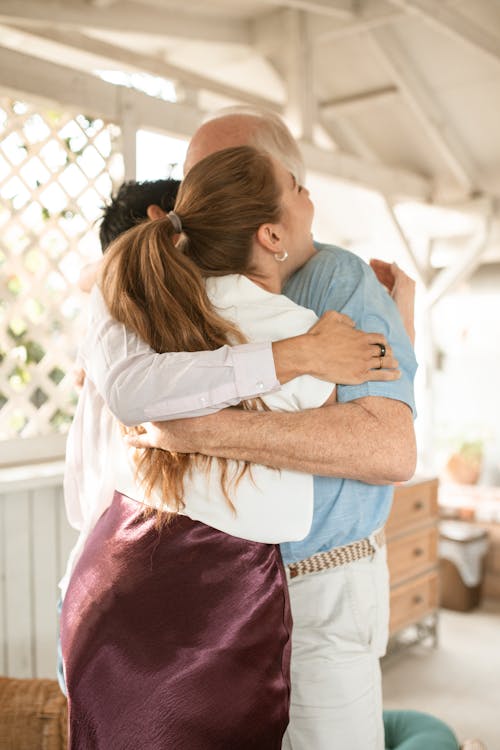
pixel 157 289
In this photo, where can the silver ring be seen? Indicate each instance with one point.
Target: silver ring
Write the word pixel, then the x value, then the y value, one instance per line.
pixel 382 350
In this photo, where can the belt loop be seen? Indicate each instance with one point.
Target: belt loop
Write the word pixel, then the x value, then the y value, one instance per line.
pixel 379 537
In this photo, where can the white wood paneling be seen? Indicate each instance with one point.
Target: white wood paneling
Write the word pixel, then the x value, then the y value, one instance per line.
pixel 35 541
pixel 44 577
pixel 3 593
pixel 18 600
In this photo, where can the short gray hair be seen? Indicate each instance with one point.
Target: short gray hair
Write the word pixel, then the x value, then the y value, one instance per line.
pixel 270 135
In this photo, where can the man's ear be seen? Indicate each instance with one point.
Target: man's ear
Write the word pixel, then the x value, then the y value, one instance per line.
pixel 155 212
pixel 269 236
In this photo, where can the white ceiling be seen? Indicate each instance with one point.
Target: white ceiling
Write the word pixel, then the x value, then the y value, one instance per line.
pixel 404 94
pixel 414 84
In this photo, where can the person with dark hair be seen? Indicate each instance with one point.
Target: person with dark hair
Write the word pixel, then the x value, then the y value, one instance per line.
pixel 175 633
pixel 134 202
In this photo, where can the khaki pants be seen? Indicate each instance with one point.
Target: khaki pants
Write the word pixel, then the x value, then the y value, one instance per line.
pixel 340 631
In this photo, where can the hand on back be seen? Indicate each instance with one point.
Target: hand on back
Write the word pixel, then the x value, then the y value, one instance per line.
pixel 401 287
pixel 344 355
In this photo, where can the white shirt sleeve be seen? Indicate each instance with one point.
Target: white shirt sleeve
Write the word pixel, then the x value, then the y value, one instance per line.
pixel 262 315
pixel 139 385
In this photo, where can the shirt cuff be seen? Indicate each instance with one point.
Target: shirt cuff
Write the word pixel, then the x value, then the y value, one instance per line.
pixel 251 374
pixel 254 370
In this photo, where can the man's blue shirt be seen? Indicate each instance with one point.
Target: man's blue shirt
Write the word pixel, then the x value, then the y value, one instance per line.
pixel 334 279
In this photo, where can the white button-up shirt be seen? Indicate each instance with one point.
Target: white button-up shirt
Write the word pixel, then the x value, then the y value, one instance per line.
pixel 271 506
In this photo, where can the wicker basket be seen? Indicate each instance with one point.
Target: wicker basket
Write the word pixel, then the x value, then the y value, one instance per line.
pixel 33 715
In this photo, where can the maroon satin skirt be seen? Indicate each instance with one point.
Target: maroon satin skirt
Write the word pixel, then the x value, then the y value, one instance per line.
pixel 175 640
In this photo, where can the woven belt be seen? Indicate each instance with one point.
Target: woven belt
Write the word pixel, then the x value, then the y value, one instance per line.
pixel 337 556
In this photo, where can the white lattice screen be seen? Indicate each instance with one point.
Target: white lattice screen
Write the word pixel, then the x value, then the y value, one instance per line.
pixel 56 172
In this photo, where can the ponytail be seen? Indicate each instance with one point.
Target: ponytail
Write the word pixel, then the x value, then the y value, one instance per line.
pixel 157 292
pixel 156 287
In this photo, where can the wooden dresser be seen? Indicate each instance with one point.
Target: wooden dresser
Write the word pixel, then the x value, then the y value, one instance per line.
pixel 412 552
pixel 491 585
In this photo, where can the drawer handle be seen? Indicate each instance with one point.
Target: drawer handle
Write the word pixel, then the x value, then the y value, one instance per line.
pixel 418 552
pixel 417 599
pixel 418 505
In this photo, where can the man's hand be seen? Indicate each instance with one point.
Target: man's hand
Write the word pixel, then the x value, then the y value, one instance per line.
pixel 180 435
pixel 401 287
pixel 335 351
pixel 78 377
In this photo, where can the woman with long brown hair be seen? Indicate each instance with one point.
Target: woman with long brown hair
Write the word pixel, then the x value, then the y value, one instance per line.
pixel 176 633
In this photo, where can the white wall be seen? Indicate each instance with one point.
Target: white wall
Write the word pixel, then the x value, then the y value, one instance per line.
pixel 35 541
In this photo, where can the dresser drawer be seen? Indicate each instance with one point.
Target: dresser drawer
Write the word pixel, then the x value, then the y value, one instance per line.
pixel 411 554
pixel 412 601
pixel 414 504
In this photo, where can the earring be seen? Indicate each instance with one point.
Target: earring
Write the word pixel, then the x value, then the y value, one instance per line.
pixel 281 257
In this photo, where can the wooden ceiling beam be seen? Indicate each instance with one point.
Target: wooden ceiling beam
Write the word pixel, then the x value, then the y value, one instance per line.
pixel 346 137
pixel 370 16
pixel 347 104
pixel 105 53
pixel 395 182
pixel 24 75
pixel 450 277
pixel 453 23
pixel 418 270
pixel 427 109
pixel 301 107
pixel 130 17
pixel 333 8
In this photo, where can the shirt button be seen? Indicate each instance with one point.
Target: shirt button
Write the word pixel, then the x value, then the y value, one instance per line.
pixel 260 385
pixel 203 400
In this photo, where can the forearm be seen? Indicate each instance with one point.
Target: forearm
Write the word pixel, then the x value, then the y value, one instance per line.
pixel 183 385
pixel 352 440
pixel 292 358
pixel 140 385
